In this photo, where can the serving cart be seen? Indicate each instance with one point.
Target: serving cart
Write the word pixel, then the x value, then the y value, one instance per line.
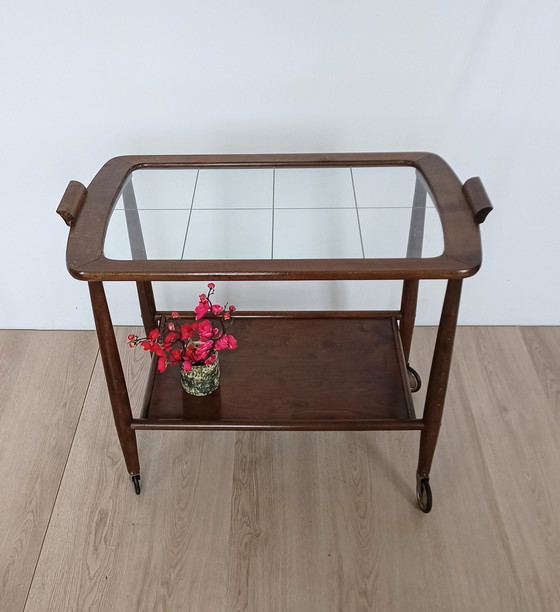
pixel 314 217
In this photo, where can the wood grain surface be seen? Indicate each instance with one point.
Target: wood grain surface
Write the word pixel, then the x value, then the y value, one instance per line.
pixel 44 377
pixel 519 441
pixel 296 371
pixel 543 344
pixel 288 521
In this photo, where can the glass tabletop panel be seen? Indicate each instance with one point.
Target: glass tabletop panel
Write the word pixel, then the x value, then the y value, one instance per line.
pixel 276 213
pixel 313 188
pixel 233 189
pixel 316 233
pixel 162 189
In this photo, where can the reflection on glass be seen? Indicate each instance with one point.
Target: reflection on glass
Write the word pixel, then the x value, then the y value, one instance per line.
pixel 286 213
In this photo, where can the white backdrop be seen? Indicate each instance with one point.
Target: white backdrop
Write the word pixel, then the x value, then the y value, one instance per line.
pixel 476 81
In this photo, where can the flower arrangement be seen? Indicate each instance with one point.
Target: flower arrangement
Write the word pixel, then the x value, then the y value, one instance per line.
pixel 193 344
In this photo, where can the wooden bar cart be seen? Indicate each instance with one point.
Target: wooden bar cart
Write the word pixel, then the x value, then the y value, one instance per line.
pixel 312 217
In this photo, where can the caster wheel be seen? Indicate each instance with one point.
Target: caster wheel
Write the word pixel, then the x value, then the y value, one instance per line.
pixel 424 494
pixel 414 379
pixel 136 483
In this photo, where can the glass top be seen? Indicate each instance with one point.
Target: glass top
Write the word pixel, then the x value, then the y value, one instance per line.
pixel 273 213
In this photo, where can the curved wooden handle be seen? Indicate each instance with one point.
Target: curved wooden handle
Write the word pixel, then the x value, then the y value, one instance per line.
pixel 72 202
pixel 477 198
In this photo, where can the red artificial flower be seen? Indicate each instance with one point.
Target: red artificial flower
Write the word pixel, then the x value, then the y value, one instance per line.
pixel 201 355
pixel 170 339
pixel 232 342
pixel 225 342
pixel 176 344
pixel 175 357
pixel 186 331
pixel 189 353
pixel 205 330
pixel 202 308
pixel 150 343
pixel 201 351
pixel 153 347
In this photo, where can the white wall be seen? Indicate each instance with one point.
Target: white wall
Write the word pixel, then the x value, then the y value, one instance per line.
pixel 476 81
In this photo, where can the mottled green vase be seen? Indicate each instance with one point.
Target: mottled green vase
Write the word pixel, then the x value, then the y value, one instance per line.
pixel 202 379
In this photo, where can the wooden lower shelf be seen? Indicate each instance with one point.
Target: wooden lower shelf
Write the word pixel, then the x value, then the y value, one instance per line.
pixel 295 373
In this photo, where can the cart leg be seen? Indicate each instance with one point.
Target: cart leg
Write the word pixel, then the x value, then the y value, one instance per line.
pixel 147 305
pixel 437 387
pixel 408 309
pixel 138 251
pixel 115 380
pixel 409 298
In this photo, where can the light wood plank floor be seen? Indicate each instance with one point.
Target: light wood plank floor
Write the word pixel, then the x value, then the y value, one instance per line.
pixel 280 522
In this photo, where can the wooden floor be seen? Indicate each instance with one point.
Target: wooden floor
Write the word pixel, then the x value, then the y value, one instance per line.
pixel 277 521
